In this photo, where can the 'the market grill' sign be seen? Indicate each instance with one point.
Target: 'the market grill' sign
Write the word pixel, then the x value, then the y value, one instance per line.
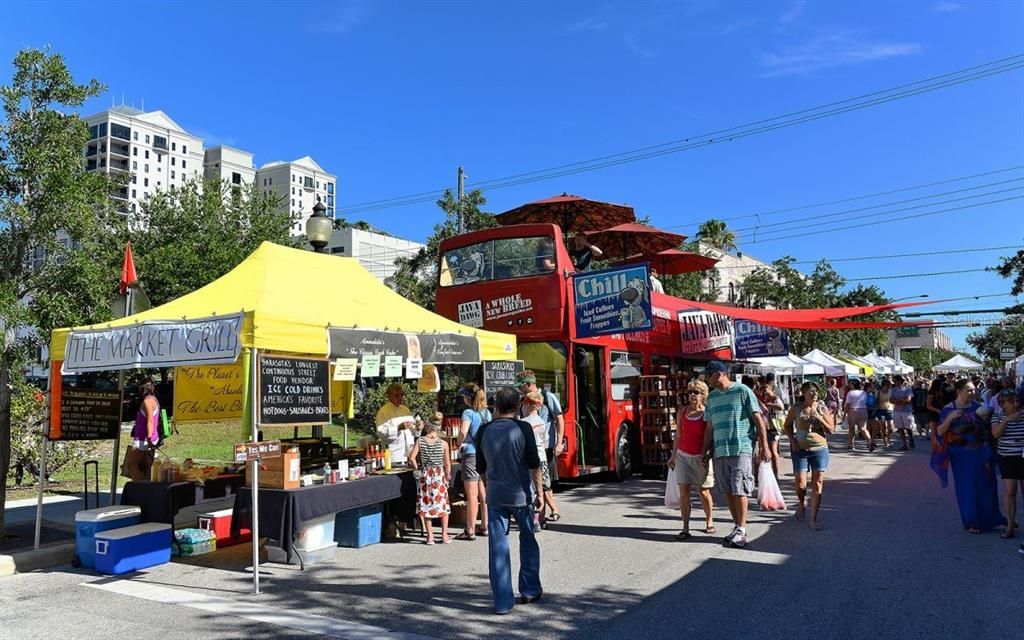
pixel 433 348
pixel 154 344
pixel 249 451
pixel 294 391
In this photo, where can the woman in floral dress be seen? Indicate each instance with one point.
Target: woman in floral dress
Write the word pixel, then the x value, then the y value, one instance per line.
pixel 432 464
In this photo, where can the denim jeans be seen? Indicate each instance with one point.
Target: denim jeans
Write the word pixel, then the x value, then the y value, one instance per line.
pixel 500 564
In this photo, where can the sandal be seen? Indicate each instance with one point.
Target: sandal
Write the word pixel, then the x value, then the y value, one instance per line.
pixel 683 535
pixel 711 530
pixel 555 517
pixel 799 513
pixel 974 530
pixel 483 533
pixel 1009 534
pixel 430 541
pixel 814 526
pixel 465 535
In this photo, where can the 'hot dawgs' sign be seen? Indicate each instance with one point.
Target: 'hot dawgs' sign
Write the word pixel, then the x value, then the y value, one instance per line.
pixel 154 344
pixel 294 391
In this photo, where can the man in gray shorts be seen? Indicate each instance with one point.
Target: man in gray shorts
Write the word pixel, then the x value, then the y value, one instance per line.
pixel 734 423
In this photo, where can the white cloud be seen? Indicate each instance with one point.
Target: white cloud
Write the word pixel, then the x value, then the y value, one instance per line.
pixel 343 17
pixel 947 7
pixel 831 50
pixel 736 26
pixel 793 11
pixel 593 23
pixel 212 139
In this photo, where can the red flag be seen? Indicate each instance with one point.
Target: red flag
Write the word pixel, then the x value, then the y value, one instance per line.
pixel 128 275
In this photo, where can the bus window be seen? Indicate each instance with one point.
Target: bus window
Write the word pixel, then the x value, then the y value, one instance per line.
pixel 660 365
pixel 548 361
pixel 498 259
pixel 625 373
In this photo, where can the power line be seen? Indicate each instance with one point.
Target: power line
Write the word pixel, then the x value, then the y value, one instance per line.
pixel 897 219
pixel 835 214
pixel 888 257
pixel 915 275
pixel 730 134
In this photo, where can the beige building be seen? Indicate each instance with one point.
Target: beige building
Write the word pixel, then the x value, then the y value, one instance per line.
pixel 377 252
pixel 150 145
pixel 917 337
pixel 227 164
pixel 301 183
pixel 725 279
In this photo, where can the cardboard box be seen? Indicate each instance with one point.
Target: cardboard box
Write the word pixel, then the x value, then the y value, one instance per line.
pixel 278 473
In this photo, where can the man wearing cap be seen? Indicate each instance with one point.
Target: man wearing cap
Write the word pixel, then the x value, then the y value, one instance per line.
pixel 550 412
pixel 736 423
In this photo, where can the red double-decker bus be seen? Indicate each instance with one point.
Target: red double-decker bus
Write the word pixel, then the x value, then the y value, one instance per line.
pixel 518 279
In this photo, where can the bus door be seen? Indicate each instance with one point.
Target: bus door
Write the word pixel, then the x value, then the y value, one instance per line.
pixel 591 427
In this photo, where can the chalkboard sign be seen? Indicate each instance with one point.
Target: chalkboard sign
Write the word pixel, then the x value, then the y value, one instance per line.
pixel 89 414
pixel 294 391
pixel 500 373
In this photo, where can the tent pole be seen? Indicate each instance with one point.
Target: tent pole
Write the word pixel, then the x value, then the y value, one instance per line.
pixel 117 442
pixel 249 363
pixel 42 483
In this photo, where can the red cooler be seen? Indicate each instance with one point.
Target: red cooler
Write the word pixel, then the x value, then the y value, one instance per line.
pixel 219 522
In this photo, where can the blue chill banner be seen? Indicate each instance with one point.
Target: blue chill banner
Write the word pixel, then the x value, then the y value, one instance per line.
pixel 614 300
pixel 755 340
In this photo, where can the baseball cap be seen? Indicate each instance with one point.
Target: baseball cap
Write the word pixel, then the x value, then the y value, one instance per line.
pixel 715 366
pixel 769 376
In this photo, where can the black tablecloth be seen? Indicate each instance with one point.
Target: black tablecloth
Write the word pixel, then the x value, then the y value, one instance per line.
pixel 217 487
pixel 160 501
pixel 283 512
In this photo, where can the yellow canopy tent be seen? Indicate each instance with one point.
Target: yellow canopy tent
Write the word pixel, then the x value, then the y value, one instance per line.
pixel 288 298
pixel 868 370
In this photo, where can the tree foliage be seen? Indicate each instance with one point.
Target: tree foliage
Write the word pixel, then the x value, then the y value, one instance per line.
pixel 781 286
pixel 925 358
pixel 1009 333
pixel 415 276
pixel 187 237
pixel 1013 268
pixel 56 253
pixel 716 233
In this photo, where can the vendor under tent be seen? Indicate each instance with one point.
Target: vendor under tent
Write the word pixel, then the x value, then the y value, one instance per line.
pixel 285 302
pixel 832 366
pixel 958 363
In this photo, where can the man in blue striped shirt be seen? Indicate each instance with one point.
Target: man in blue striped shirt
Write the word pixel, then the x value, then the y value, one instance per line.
pixel 734 417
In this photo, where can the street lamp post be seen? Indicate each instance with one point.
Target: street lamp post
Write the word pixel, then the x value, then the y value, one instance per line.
pixel 319 229
pixel 923 295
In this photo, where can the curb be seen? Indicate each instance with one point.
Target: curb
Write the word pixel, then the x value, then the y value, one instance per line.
pixel 45 558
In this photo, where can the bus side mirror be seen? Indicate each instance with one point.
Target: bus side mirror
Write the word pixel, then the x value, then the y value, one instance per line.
pixel 581 358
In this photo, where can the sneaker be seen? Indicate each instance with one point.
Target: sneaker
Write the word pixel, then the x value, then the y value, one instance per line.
pixel 739 541
pixel 732 534
pixel 1020 549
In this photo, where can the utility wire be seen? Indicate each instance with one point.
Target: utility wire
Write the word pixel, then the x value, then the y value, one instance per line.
pixel 888 257
pixel 914 275
pixel 875 98
pixel 896 219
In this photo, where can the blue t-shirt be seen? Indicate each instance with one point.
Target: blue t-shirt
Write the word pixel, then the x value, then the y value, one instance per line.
pixel 506 454
pixel 476 418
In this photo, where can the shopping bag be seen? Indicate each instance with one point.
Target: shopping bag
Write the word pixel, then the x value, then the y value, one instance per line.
pixel 165 425
pixel 671 491
pixel 769 495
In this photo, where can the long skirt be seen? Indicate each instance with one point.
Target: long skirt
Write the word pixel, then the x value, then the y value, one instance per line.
pixel 975 482
pixel 432 493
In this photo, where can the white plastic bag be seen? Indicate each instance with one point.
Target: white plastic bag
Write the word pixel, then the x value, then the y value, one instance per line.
pixel 671 491
pixel 769 495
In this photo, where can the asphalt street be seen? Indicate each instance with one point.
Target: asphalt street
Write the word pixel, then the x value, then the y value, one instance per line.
pixel 892 561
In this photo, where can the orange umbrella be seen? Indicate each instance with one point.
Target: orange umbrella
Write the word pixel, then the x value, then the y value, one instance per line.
pixel 573 214
pixel 630 239
pixel 673 262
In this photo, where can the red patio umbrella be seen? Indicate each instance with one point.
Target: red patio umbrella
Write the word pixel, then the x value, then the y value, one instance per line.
pixel 673 262
pixel 573 214
pixel 633 239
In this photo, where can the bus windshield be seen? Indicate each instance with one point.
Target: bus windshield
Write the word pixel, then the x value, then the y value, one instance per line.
pixel 498 259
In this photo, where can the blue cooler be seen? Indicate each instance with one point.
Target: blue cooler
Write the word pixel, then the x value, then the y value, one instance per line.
pixel 89 523
pixel 129 549
pixel 358 527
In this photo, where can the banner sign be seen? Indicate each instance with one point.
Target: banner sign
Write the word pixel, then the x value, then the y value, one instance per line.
pixel 754 340
pixel 294 391
pixel 208 394
pixel 613 301
pixel 88 414
pixel 414 369
pixel 703 331
pixel 436 348
pixel 500 373
pixel 345 369
pixel 370 365
pixel 155 344
pixel 249 451
pixel 392 366
pixel 1007 353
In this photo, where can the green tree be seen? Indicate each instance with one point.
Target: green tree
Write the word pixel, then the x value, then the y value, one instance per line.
pixel 361 225
pixel 717 234
pixel 1008 333
pixel 925 358
pixel 185 238
pixel 1013 268
pixel 55 221
pixel 415 277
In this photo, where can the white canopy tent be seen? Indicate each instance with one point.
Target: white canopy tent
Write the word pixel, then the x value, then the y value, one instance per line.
pixel 789 365
pixel 882 365
pixel 959 363
pixel 832 366
pixel 898 365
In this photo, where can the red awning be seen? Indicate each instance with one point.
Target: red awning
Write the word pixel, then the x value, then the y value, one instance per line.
pixel 843 324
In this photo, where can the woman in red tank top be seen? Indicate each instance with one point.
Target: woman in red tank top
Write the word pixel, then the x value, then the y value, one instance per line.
pixel 687 459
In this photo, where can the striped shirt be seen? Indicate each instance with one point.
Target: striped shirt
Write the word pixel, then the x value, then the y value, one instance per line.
pixel 1012 441
pixel 731 416
pixel 431 453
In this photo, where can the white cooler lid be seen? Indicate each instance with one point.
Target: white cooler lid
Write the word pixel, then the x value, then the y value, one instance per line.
pixel 223 513
pixel 107 513
pixel 132 531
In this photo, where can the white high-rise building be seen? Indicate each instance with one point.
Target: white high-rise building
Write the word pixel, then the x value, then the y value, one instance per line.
pixel 376 251
pixel 227 164
pixel 149 145
pixel 301 184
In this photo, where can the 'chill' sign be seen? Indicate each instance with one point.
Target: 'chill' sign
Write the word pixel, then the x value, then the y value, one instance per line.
pixel 613 301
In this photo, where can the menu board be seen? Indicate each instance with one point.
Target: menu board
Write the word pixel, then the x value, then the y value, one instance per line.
pixel 89 414
pixel 500 373
pixel 294 391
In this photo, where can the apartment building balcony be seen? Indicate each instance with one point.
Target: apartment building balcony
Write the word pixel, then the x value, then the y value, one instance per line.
pixel 120 194
pixel 120 150
pixel 90 165
pixel 160 144
pixel 91 150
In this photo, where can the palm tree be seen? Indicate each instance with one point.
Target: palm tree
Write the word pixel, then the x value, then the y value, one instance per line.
pixel 717 234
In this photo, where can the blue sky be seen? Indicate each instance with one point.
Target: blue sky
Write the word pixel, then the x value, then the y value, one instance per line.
pixel 393 96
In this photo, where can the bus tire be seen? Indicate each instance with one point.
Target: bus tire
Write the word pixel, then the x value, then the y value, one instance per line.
pixel 623 454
